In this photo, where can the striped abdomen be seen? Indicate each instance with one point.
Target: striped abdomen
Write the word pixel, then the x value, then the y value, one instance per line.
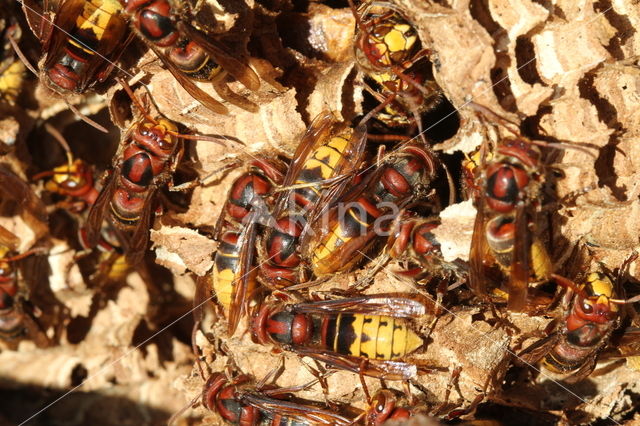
pixel 137 175
pixel 193 60
pixel 320 166
pixel 145 167
pixel 370 336
pixel 576 347
pixel 225 269
pixel 353 225
pixel 98 20
pixel 126 208
pixel 154 21
pixel 356 221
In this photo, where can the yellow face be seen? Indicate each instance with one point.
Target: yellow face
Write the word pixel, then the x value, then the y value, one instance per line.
pixel 470 162
pixel 603 290
pixel 473 160
pixel 397 42
pixel 167 125
pixel 392 49
pixel 389 39
pixel 161 132
pixel 69 176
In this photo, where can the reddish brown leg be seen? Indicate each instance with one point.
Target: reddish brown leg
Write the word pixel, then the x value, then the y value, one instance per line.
pixel 365 389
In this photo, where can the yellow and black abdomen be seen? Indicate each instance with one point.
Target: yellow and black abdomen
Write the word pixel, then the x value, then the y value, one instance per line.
pixel 93 24
pixel 226 265
pixel 562 365
pixel 322 165
pixel 11 81
pixel 119 268
pixel 193 60
pixel 576 348
pixel 99 31
pixel 541 264
pixel 333 252
pixel 500 232
pixel 369 336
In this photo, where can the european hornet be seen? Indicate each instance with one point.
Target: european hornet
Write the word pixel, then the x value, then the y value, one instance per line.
pixel 112 264
pixel 412 239
pixel 325 163
pixel 413 243
pixel 591 314
pixel 369 335
pixel 509 194
pixel 149 153
pixel 367 211
pixel 81 40
pixel 188 53
pixel 240 402
pixel 234 272
pixel 388 405
pixel 75 181
pixel 389 52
